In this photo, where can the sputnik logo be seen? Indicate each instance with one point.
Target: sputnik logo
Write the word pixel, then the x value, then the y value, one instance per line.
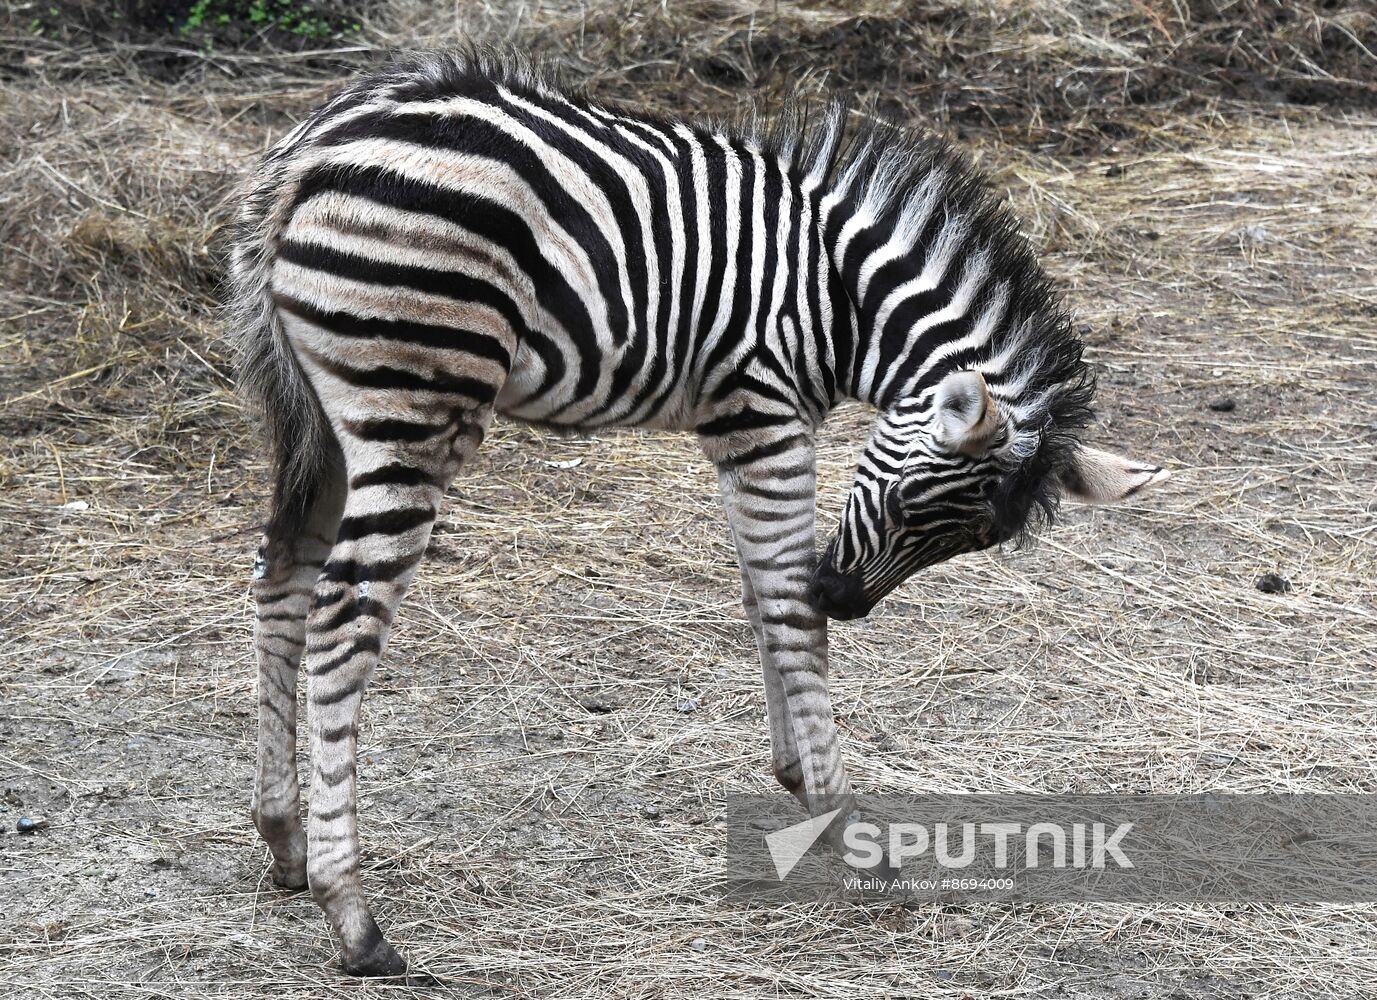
pixel 788 846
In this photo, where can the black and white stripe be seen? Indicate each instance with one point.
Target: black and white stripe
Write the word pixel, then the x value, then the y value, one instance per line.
pixel 457 236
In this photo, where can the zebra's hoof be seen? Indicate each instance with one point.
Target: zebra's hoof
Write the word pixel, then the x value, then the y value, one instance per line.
pixel 380 960
pixel 289 877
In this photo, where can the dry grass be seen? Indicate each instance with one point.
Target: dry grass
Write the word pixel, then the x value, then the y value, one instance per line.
pixel 1213 248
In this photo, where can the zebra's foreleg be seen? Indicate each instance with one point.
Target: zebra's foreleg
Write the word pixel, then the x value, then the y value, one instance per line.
pixel 283 580
pixel 770 505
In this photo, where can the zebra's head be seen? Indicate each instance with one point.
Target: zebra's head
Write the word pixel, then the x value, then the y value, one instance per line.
pixel 954 470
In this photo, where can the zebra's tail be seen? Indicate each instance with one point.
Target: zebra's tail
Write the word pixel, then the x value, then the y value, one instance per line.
pixel 301 444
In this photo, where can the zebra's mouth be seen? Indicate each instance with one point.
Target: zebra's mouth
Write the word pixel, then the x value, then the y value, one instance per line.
pixel 842 614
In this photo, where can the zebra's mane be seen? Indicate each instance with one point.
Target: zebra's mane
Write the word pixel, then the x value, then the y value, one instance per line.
pixel 865 163
pixel 889 172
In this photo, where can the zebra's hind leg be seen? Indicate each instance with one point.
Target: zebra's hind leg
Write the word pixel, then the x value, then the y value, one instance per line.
pixel 394 493
pixel 284 578
pixel 784 753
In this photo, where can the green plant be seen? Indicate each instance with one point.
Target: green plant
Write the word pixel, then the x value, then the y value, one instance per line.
pixel 208 20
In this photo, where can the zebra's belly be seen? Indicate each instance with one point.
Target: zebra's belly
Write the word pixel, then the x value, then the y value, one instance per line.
pixel 589 386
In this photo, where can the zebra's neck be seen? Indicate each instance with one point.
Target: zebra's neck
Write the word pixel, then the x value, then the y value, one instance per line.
pixel 928 275
pixel 920 286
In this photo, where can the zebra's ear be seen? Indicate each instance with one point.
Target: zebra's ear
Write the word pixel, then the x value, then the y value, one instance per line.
pixel 966 415
pixel 1102 477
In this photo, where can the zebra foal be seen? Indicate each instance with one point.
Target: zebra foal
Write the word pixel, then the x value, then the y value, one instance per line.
pixel 457 236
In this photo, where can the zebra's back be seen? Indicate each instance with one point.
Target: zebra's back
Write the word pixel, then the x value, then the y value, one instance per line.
pixel 455 233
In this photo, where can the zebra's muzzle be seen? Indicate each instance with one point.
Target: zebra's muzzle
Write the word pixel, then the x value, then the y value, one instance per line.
pixel 838 595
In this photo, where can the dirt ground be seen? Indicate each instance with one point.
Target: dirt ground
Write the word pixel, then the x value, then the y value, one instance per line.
pixel 540 816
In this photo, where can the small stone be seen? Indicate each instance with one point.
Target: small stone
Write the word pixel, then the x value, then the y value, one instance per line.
pixel 689 705
pixel 650 811
pixel 1223 404
pixel 598 706
pixel 698 944
pixel 30 824
pixel 1114 171
pixel 1273 583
